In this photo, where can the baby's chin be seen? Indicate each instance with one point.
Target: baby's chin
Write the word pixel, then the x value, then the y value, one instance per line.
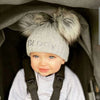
pixel 45 74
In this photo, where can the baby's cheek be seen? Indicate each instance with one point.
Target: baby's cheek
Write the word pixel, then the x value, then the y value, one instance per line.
pixel 32 67
pixel 35 68
pixel 57 67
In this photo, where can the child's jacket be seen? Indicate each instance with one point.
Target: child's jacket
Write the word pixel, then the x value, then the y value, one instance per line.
pixel 71 89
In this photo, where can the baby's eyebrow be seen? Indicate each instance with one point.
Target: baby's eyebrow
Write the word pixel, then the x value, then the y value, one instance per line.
pixel 52 55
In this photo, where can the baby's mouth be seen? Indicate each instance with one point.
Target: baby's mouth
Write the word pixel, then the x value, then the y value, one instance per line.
pixel 43 70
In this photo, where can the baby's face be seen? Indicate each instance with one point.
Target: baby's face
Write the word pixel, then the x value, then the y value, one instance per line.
pixel 45 63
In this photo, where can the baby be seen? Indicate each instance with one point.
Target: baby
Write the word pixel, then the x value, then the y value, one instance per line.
pixel 45 76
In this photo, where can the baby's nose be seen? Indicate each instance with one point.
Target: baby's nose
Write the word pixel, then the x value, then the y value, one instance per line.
pixel 43 61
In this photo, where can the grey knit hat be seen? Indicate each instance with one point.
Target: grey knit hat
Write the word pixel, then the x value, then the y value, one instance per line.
pixel 47 39
pixel 49 33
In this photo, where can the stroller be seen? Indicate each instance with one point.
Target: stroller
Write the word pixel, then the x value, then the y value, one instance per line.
pixel 84 53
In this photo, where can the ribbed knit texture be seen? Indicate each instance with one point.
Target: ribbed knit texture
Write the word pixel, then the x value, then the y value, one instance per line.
pixel 47 39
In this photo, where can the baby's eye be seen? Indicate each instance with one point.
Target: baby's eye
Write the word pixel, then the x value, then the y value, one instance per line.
pixel 35 56
pixel 51 57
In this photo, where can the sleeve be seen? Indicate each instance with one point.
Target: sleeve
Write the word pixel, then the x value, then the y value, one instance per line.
pixel 75 91
pixel 18 89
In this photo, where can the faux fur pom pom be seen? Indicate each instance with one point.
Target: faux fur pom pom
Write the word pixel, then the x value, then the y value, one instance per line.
pixel 32 21
pixel 68 24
